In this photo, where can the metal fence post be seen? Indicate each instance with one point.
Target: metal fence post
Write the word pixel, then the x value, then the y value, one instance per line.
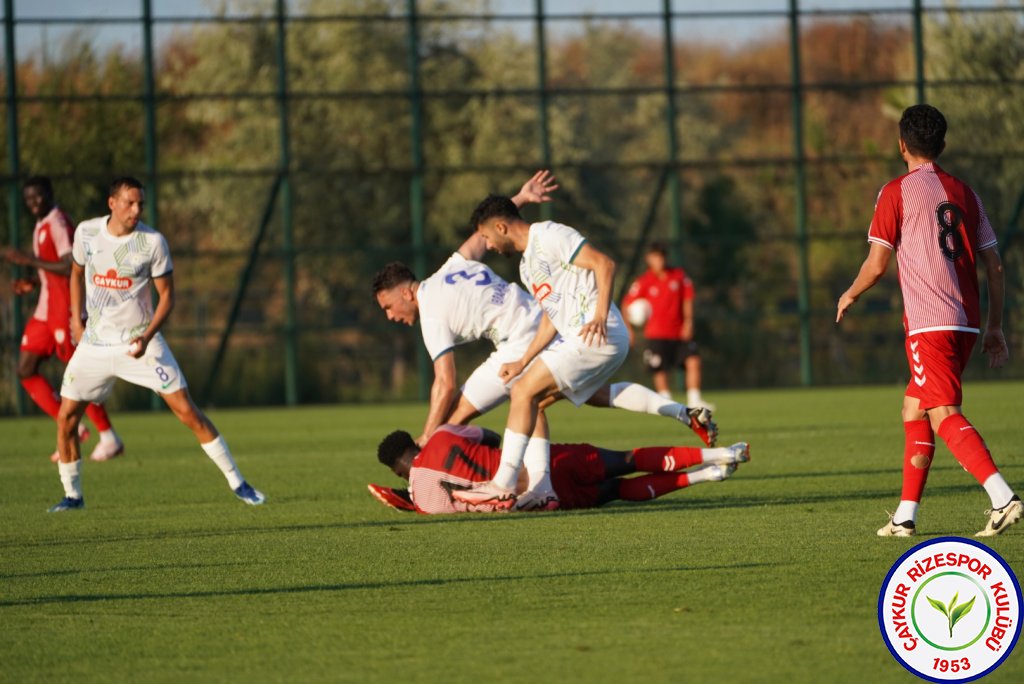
pixel 919 49
pixel 14 169
pixel 416 181
pixel 803 282
pixel 674 188
pixel 542 97
pixel 291 364
pixel 149 97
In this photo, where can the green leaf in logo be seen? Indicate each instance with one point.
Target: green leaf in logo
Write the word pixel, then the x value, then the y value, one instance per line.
pixel 938 605
pixel 959 612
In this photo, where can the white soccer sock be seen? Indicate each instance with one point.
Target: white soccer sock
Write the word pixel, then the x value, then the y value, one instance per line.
pixel 71 478
pixel 538 464
pixel 109 436
pixel 513 451
pixel 665 393
pixel 634 397
pixel 693 397
pixel 218 452
pixel 707 455
pixel 998 490
pixel 905 512
pixel 701 475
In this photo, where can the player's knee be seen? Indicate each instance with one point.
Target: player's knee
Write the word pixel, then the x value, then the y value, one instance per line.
pixel 921 461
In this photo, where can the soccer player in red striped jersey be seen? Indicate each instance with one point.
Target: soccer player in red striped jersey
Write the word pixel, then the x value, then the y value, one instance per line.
pixel 937 226
pixel 460 457
pixel 47 333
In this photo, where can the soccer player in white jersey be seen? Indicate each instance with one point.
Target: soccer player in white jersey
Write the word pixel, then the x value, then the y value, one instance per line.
pixel 572 281
pixel 114 260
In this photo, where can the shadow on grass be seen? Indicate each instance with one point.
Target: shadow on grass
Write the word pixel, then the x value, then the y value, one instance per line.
pixel 139 568
pixel 359 586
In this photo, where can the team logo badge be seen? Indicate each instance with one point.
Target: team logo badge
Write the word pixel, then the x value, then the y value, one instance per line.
pixel 949 610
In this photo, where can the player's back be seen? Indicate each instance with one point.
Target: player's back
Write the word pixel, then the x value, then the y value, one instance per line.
pixel 937 224
pixel 473 302
pixel 450 460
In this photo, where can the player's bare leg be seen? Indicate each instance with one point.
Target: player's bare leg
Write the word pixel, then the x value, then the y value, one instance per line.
pixel 213 444
pixel 694 375
pixel 532 387
pixel 70 465
pixel 661 384
pixel 632 396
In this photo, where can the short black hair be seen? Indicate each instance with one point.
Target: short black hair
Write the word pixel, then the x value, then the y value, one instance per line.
pixel 42 182
pixel 923 131
pixel 658 248
pixel 494 206
pixel 124 182
pixel 392 275
pixel 394 446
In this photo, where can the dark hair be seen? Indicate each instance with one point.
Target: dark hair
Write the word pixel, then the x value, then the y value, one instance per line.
pixel 124 182
pixel 41 182
pixel 392 275
pixel 923 130
pixel 394 446
pixel 494 206
pixel 658 248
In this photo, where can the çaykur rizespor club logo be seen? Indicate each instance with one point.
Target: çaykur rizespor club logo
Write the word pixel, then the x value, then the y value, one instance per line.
pixel 949 610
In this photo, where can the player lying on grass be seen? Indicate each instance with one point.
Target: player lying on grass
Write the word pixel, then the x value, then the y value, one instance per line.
pixel 465 301
pixel 460 457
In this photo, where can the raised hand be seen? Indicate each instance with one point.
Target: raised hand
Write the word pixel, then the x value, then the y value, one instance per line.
pixel 537 189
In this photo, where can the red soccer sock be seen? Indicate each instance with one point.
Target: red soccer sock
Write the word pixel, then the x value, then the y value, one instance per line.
pixel 42 393
pixel 917 458
pixel 665 459
pixel 649 487
pixel 968 447
pixel 98 415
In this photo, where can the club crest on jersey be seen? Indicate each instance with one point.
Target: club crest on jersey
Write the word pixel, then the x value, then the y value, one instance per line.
pixel 112 281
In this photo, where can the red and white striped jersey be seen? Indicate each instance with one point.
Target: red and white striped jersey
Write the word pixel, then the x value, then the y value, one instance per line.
pixel 51 240
pixel 937 225
pixel 453 458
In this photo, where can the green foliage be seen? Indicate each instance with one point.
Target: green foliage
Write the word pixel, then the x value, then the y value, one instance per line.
pixel 953 612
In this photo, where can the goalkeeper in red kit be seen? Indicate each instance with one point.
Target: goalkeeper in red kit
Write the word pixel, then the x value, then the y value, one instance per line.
pixel 459 457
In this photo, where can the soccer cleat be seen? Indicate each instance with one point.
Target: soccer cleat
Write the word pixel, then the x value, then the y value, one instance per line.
pixel 737 453
pixel 699 420
pixel 1001 518
pixel 717 471
pixel 392 498
pixel 537 501
pixel 487 494
pixel 104 451
pixel 894 529
pixel 68 503
pixel 246 493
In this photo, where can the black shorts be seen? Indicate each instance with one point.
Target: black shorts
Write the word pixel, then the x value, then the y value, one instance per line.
pixel 664 354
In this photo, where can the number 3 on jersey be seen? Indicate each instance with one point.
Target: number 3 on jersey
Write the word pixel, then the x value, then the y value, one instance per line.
pixel 950 218
pixel 482 277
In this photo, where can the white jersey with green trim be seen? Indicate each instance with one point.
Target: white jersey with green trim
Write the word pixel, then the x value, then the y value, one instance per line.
pixel 465 301
pixel 567 293
pixel 118 271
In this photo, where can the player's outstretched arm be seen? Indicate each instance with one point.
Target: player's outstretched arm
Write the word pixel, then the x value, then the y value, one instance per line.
pixel 536 190
pixel 871 271
pixel 165 290
pixel 545 333
pixel 442 395
pixel 596 331
pixel 993 342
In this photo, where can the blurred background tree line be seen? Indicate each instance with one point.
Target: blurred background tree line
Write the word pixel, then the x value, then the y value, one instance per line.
pixel 81 121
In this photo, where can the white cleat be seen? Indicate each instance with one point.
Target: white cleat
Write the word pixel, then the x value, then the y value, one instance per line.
pixel 532 500
pixel 487 494
pixel 1001 518
pixel 716 472
pixel 104 451
pixel 737 453
pixel 892 529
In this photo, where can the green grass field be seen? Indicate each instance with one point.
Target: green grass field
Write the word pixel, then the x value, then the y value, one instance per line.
pixel 772 576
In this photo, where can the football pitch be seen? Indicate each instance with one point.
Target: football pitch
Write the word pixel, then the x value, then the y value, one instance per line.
pixel 772 576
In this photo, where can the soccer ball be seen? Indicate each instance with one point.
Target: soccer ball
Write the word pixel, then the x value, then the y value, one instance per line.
pixel 638 311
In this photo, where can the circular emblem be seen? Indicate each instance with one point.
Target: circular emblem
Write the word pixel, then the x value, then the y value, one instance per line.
pixel 949 610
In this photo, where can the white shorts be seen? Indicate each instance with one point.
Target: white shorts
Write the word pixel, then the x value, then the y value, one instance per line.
pixel 484 389
pixel 92 370
pixel 580 371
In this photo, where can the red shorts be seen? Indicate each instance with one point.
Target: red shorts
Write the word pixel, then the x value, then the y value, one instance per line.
pixel 577 472
pixel 937 360
pixel 43 339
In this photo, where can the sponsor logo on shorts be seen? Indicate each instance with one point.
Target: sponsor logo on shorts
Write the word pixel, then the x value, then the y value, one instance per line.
pixel 949 610
pixel 112 281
